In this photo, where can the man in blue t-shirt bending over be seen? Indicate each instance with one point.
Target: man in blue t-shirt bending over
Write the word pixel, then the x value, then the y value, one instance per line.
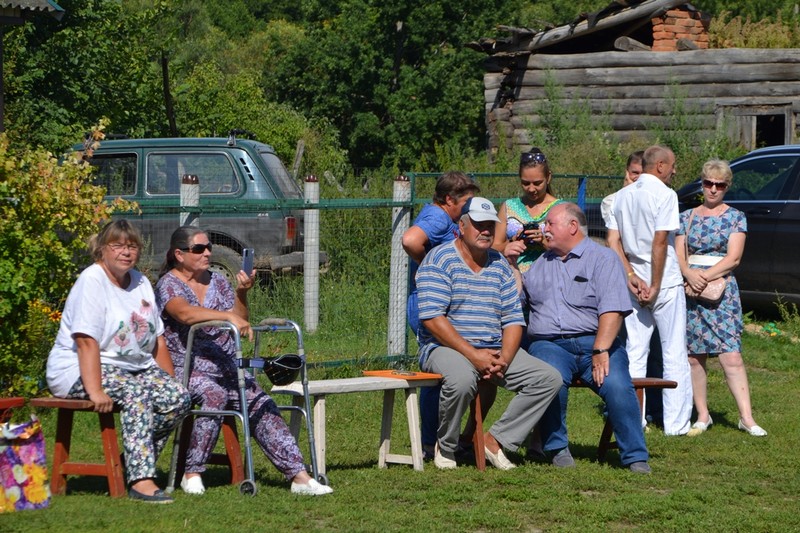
pixel 469 305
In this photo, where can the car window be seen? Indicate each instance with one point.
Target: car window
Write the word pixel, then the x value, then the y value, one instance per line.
pixel 762 178
pixel 214 172
pixel 282 177
pixel 116 172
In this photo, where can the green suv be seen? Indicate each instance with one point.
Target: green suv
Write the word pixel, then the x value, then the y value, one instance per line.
pixel 244 191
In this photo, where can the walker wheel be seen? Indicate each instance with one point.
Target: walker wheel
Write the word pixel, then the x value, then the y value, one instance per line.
pixel 248 487
pixel 323 479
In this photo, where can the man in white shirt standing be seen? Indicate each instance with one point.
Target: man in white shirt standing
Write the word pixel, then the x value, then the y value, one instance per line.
pixel 642 232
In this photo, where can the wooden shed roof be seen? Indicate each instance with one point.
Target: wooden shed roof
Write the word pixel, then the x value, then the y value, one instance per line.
pixel 589 32
pixel 25 7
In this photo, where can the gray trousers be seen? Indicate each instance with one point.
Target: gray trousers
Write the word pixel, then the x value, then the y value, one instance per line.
pixel 535 383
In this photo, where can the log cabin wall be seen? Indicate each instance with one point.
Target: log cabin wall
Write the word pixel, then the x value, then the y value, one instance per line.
pixel 753 95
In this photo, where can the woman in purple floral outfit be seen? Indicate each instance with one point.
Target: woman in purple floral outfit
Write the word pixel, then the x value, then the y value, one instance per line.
pixel 187 293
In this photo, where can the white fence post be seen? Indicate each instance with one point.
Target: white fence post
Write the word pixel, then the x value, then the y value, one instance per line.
pixel 190 197
pixel 398 276
pixel 311 256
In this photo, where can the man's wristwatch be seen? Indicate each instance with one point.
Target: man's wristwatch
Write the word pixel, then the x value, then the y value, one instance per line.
pixel 598 352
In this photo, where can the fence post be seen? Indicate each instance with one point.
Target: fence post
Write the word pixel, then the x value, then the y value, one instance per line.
pixel 398 275
pixel 190 197
pixel 311 256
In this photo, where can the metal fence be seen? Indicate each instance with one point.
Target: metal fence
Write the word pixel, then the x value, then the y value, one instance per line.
pixel 359 225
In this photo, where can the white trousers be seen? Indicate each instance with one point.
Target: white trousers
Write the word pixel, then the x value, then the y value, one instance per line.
pixel 668 314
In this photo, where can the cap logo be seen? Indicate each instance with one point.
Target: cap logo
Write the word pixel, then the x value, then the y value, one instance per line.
pixel 485 206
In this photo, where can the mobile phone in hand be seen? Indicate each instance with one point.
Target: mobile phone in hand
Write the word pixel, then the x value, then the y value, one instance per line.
pixel 247 260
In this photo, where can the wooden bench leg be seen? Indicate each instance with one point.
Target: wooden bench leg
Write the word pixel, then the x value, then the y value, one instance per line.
pixel 414 432
pixel 233 450
pixel 319 431
pixel 605 443
pixel 386 428
pixel 116 479
pixel 58 480
pixel 478 444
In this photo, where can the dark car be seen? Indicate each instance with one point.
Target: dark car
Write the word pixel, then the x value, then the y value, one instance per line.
pixel 766 187
pixel 242 184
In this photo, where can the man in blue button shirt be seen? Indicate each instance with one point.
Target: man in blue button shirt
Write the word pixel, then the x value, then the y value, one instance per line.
pixel 577 297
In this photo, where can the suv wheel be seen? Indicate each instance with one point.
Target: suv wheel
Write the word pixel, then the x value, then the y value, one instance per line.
pixel 226 262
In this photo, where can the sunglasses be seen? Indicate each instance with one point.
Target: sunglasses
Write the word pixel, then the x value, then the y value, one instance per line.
pixel 532 157
pixel 197 248
pixel 720 185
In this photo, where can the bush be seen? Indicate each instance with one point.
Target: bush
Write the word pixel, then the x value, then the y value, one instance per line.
pixel 47 211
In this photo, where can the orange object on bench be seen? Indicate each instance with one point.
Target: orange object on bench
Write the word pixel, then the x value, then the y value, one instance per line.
pixel 111 468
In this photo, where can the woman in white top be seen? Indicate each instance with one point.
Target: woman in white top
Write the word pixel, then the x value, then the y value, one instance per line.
pixel 110 349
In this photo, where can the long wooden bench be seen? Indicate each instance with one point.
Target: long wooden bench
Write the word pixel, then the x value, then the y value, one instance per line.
pixel 319 389
pixel 605 444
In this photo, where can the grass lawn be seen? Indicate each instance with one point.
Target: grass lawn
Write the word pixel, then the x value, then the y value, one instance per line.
pixel 723 480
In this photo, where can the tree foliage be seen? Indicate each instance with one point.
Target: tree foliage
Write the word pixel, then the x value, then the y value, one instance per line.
pixel 47 211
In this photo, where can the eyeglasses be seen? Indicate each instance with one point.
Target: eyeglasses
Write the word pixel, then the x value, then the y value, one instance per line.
pixel 197 248
pixel 532 157
pixel 720 185
pixel 118 247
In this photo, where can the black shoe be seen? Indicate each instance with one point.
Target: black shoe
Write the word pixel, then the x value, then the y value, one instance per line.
pixel 158 496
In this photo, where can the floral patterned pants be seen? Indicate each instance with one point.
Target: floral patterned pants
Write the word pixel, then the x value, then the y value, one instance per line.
pixel 151 404
pixel 215 388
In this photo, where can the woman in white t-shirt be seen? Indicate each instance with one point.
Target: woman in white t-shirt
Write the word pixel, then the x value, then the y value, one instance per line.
pixel 110 349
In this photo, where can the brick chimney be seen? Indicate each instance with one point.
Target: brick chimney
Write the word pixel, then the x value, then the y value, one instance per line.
pixel 680 23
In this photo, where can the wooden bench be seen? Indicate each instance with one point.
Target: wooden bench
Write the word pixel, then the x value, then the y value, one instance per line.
pixel 639 385
pixel 605 444
pixel 111 468
pixel 7 404
pixel 232 458
pixel 319 389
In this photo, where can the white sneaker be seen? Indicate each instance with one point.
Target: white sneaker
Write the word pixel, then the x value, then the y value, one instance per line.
pixel 192 485
pixel 312 488
pixel 441 462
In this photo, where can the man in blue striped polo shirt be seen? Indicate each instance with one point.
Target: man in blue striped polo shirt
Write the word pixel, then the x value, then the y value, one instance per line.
pixel 470 307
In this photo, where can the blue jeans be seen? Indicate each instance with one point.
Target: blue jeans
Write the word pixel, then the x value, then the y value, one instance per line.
pixel 573 358
pixel 428 396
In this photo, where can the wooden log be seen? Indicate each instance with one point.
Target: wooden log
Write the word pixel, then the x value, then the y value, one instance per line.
pixel 626 122
pixel 684 44
pixel 692 57
pixel 629 44
pixel 683 74
pixel 788 89
pixel 645 10
pixel 522 140
pixel 653 106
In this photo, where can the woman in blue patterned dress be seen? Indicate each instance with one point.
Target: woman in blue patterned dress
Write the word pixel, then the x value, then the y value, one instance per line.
pixel 520 246
pixel 716 236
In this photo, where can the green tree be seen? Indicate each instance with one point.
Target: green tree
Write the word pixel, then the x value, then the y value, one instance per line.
pixel 62 75
pixel 47 211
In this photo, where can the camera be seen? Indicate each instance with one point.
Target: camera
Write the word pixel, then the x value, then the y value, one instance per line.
pixel 530 226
